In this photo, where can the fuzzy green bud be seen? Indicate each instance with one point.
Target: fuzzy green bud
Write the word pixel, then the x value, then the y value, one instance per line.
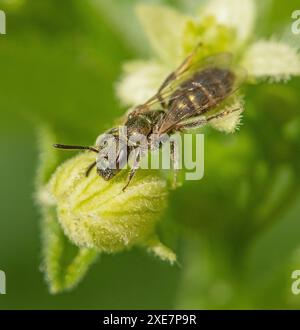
pixel 97 214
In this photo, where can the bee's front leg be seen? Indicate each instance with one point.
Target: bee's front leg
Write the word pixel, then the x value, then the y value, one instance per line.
pixel 203 121
pixel 89 169
pixel 134 168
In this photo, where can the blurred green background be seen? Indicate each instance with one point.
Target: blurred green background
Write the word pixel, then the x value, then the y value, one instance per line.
pixel 236 232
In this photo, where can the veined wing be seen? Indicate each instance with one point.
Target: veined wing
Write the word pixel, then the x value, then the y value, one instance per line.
pixel 202 90
pixel 177 78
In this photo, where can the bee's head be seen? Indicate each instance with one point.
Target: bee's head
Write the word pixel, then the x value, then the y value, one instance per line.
pixel 112 156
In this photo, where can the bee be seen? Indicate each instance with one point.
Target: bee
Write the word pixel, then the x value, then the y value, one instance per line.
pixel 183 102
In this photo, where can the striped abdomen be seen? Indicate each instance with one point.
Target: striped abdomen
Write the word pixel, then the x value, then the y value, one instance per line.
pixel 202 92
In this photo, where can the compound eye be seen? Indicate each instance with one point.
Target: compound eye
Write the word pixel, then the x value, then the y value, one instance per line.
pixel 105 140
pixel 103 163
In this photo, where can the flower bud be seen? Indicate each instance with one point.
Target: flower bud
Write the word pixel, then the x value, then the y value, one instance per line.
pixel 97 214
pixel 232 120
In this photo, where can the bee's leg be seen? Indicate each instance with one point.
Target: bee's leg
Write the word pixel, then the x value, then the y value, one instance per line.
pixel 191 125
pixel 134 168
pixel 204 121
pixel 175 169
pixel 89 169
pixel 222 114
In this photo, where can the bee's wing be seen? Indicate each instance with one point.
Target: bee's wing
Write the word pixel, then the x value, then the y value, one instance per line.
pixel 170 86
pixel 219 60
pixel 176 115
